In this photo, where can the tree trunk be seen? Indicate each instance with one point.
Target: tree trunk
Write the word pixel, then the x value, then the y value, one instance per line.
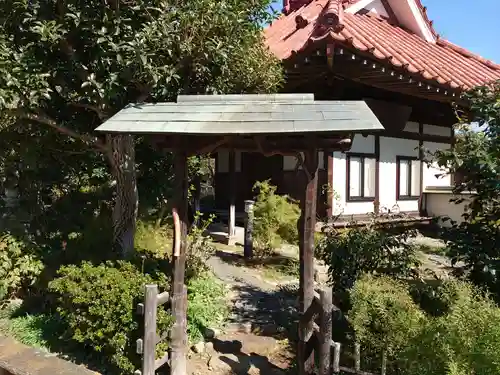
pixel 122 159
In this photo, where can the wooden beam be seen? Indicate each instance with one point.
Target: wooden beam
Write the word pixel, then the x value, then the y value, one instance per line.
pixel 306 226
pixel 274 144
pixel 179 343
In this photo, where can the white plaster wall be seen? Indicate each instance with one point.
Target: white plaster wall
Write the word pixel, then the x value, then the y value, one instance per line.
pixel 437 130
pixel 389 149
pixel 223 161
pixel 437 204
pixel 430 171
pixel 363 144
pixel 413 127
pixel 377 7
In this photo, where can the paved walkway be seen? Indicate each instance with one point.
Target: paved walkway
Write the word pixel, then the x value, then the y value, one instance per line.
pixel 256 302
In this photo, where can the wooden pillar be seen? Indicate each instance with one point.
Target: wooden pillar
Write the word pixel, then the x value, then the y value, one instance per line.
pixel 232 199
pixel 306 226
pixel 179 344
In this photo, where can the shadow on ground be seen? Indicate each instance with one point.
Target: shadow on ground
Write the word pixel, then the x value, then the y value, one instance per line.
pixel 242 363
pixel 269 313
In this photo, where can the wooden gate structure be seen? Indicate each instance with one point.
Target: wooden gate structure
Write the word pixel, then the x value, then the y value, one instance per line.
pixel 280 124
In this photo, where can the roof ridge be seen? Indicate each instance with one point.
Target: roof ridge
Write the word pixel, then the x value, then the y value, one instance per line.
pixel 442 42
pixel 428 21
pixel 466 53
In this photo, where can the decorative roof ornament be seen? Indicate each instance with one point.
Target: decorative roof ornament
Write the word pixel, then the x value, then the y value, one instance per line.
pixel 331 20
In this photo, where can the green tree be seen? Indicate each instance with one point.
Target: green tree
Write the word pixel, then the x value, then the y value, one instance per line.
pixel 69 65
pixel 476 155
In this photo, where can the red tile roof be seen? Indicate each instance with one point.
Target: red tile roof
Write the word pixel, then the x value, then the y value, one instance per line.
pixel 443 62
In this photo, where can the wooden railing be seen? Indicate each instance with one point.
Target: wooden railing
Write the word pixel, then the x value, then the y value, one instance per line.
pixel 319 339
pixel 146 346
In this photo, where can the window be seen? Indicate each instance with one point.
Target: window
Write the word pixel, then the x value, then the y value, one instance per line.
pixel 361 177
pixel 408 178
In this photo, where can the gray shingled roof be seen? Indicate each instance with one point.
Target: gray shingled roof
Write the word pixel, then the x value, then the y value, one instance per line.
pixel 243 114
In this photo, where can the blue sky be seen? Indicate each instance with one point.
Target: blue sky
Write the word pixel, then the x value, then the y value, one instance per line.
pixel 472 24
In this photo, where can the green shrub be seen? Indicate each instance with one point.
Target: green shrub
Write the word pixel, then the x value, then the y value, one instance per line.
pixel 383 314
pixel 275 218
pixel 464 338
pixel 156 241
pixel 153 239
pixel 98 303
pixel 200 248
pixel 435 297
pixel 19 267
pixel 371 249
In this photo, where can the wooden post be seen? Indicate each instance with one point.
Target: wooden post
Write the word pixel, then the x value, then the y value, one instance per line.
pixel 357 357
pixel 336 357
pixel 248 244
pixel 326 328
pixel 383 368
pixel 306 226
pixel 232 199
pixel 178 334
pixel 149 345
pixel 196 199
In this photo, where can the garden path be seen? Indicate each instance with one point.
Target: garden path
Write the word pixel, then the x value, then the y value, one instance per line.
pixel 255 338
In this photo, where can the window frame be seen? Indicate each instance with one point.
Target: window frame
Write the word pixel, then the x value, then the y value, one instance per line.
pixel 361 156
pixel 408 159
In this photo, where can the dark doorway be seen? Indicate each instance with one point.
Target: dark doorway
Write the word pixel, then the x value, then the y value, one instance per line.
pixel 257 167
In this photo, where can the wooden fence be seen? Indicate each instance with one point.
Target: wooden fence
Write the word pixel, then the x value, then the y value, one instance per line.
pixel 320 317
pixel 146 346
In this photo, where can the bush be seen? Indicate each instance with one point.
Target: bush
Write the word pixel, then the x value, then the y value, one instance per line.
pixel 19 267
pixel 383 314
pixel 275 218
pixel 97 303
pixel 464 338
pixel 200 248
pixel 152 239
pixel 369 249
pixel 156 241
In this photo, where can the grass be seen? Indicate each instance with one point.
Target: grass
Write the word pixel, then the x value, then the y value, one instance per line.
pixel 207 305
pixel 280 267
pixel 434 250
pixel 31 330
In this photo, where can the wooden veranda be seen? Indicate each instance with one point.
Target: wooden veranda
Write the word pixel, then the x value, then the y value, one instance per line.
pixel 283 124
